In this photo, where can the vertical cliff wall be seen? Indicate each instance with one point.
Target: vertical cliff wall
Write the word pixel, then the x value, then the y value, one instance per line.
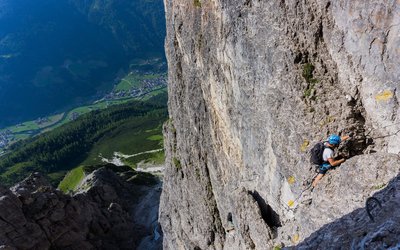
pixel 252 86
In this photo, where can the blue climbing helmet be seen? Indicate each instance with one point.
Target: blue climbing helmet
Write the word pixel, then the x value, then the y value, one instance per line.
pixel 334 140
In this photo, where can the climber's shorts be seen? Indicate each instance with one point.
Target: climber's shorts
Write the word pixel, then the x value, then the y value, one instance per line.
pixel 324 168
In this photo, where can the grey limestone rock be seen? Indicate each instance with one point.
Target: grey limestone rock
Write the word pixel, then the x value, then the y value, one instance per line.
pixel 33 215
pixel 252 86
pixel 358 231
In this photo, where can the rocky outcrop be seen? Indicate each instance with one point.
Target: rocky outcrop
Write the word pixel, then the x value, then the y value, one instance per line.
pixel 340 200
pixel 378 230
pixel 252 86
pixel 33 215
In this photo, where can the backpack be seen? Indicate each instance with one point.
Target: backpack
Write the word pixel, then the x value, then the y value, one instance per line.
pixel 316 153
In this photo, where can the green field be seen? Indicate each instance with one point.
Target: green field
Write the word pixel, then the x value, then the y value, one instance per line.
pixel 130 81
pixel 152 94
pixel 26 126
pixel 130 138
pixel 155 138
pixel 21 136
pixel 156 158
pixel 72 180
pixel 34 125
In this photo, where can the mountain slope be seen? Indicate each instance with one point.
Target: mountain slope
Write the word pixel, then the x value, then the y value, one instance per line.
pixel 54 54
pixel 124 127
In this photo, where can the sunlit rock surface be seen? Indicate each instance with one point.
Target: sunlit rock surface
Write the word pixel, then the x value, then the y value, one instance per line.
pixel 252 86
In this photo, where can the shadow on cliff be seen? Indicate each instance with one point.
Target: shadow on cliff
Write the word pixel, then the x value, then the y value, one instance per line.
pixel 146 214
pixel 375 226
pixel 270 217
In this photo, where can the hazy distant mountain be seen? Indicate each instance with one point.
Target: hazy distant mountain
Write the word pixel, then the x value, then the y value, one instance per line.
pixel 56 53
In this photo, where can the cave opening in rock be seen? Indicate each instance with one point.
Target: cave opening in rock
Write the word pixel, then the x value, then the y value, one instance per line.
pixel 270 217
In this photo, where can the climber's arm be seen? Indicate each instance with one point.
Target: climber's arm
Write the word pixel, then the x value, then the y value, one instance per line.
pixel 334 162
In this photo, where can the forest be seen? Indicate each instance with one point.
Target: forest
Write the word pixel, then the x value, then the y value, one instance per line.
pixel 57 151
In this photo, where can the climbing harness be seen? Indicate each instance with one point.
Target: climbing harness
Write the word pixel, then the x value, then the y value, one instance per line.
pixel 369 207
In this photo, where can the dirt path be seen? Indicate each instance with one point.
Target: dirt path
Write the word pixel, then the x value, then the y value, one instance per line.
pixel 118 156
pixel 121 155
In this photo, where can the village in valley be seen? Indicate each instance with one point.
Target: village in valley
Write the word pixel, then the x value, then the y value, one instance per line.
pixel 135 85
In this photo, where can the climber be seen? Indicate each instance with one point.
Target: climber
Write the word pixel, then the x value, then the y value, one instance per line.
pixel 328 161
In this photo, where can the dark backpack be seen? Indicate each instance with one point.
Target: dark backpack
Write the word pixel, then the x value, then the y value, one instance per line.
pixel 316 153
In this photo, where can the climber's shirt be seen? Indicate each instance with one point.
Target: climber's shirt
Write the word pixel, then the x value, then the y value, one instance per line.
pixel 328 153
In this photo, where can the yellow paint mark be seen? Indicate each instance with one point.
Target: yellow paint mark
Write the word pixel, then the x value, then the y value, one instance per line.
pixel 290 203
pixel 328 120
pixel 291 180
pixel 384 96
pixel 304 146
pixel 296 238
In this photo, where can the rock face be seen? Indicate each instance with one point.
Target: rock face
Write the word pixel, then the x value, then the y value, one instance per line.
pixel 252 86
pixel 358 230
pixel 33 215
